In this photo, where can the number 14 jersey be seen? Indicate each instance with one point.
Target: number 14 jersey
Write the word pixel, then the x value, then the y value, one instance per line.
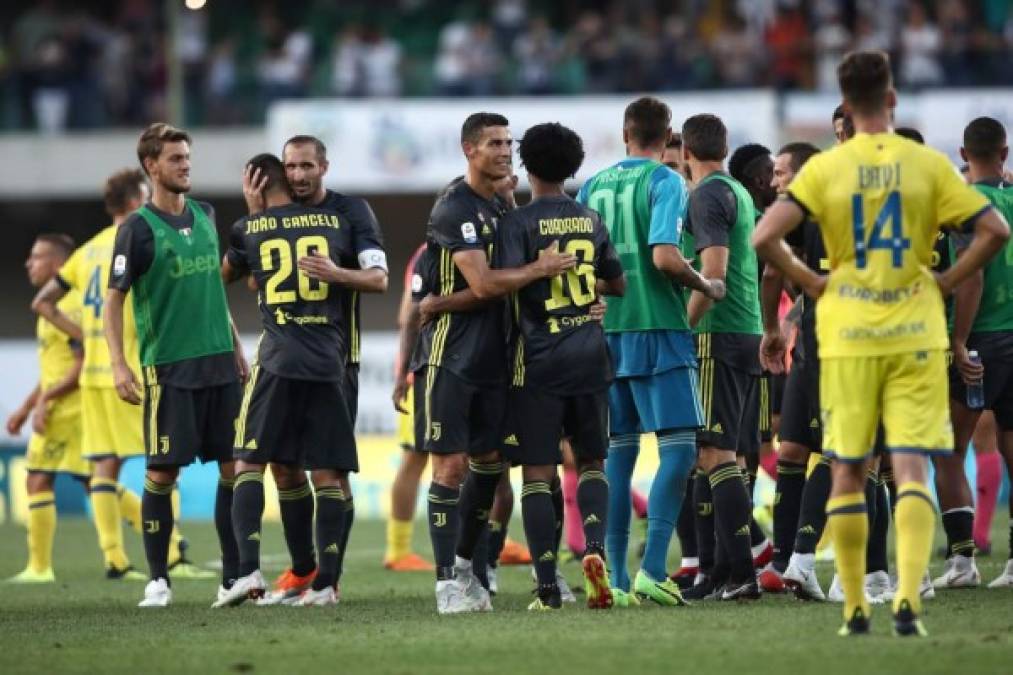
pixel 879 200
pixel 560 349
pixel 303 338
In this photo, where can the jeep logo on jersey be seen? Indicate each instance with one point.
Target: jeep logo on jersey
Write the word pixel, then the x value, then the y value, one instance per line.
pixel 188 266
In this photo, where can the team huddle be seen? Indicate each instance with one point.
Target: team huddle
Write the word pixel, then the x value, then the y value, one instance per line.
pixel 659 301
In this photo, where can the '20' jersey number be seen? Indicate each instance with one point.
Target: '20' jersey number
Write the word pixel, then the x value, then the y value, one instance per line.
pixel 277 256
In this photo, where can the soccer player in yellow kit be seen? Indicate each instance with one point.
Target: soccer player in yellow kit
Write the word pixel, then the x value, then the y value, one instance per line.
pixel 879 200
pixel 55 408
pixel 111 428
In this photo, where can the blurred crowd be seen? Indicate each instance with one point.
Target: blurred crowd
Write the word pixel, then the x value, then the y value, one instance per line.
pixel 66 64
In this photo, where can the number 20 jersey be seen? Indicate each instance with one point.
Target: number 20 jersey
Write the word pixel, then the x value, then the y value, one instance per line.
pixel 879 200
pixel 560 348
pixel 303 338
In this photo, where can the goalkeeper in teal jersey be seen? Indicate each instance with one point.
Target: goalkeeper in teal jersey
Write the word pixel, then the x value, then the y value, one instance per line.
pixel 643 203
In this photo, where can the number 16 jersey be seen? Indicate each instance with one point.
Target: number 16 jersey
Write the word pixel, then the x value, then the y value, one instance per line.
pixel 304 338
pixel 560 349
pixel 879 200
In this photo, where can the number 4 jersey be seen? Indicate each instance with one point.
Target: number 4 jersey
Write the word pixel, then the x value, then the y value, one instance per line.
pixel 879 200
pixel 303 335
pixel 87 273
pixel 560 348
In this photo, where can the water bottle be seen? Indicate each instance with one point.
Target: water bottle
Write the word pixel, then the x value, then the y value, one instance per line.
pixel 975 390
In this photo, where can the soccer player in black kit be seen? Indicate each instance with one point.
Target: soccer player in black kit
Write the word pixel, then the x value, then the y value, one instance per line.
pixel 295 413
pixel 466 377
pixel 363 269
pixel 561 365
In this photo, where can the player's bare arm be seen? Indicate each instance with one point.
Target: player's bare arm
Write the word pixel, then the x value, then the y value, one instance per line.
pixel 230 272
pixel 322 268
pixel 44 304
pixel 128 387
pixel 713 267
pixel 991 231
pixel 67 384
pixel 773 345
pixel 966 299
pixel 488 283
pixel 242 365
pixel 615 286
pixel 768 240
pixel 409 321
pixel 670 261
pixel 459 301
pixel 20 415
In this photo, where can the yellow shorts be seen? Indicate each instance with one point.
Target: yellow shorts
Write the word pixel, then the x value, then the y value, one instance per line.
pixel 59 449
pixel 909 392
pixel 406 422
pixel 111 426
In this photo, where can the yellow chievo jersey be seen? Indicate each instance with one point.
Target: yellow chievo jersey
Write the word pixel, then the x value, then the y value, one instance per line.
pixel 880 200
pixel 87 272
pixel 56 349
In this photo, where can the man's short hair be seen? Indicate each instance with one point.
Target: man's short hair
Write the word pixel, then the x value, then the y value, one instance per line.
pixel 121 188
pixel 799 153
pixel 270 168
pixel 674 141
pixel 304 139
pixel 551 152
pixel 154 138
pixel 476 123
pixel 865 79
pixel 706 137
pixel 911 134
pixel 647 121
pixel 63 243
pixel 984 138
pixel 743 158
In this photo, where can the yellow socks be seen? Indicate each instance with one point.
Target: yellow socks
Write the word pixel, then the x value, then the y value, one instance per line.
pixel 399 538
pixel 848 524
pixel 915 519
pixel 41 530
pixel 106 507
pixel 130 507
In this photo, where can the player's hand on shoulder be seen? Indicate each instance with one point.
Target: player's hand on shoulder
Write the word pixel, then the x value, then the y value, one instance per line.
pixel 127 386
pixel 970 372
pixel 253 189
pixel 551 262
pixel 320 267
pixel 715 289
pixel 773 350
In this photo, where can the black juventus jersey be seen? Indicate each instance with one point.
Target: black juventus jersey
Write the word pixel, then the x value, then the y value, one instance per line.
pixel 559 348
pixel 305 321
pixel 472 345
pixel 366 251
pixel 807 237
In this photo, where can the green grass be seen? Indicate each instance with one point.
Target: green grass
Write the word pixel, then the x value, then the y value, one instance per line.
pixel 387 623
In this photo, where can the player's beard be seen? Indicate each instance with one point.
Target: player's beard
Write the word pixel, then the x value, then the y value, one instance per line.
pixel 176 187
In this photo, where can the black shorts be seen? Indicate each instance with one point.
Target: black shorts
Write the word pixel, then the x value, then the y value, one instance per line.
pixel 731 407
pixel 539 420
pixel 182 425
pixel 460 416
pixel 351 386
pixel 800 409
pixel 996 352
pixel 297 422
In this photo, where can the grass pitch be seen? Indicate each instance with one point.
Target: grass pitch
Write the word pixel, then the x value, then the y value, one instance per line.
pixel 387 623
